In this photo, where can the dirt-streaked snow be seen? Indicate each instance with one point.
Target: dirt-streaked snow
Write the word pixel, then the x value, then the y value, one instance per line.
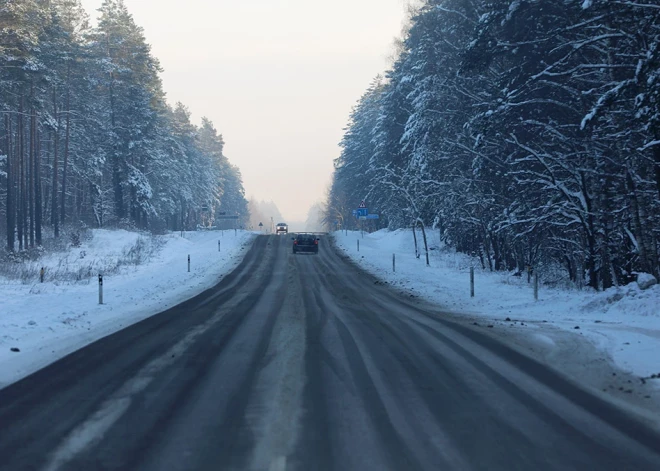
pixel 624 321
pixel 49 320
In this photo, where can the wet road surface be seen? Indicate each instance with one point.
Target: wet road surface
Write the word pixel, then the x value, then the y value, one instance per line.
pixel 303 362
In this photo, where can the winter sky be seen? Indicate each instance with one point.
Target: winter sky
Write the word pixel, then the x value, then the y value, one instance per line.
pixel 277 77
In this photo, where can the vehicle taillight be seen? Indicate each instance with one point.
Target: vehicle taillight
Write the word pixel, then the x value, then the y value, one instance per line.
pixel 316 242
pixel 295 242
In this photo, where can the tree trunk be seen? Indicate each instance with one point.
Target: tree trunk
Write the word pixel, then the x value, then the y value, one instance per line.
pixel 11 210
pixel 426 245
pixel 31 173
pixel 66 144
pixel 21 174
pixel 656 156
pixel 38 217
pixel 592 249
pixel 496 251
pixel 24 183
pixel 54 214
pixel 415 239
pixel 116 170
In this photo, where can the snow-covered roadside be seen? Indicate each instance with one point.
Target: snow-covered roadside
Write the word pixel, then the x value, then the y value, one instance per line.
pixel 46 321
pixel 623 322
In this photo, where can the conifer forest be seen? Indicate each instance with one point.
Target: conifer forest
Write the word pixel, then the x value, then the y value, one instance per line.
pixel 87 138
pixel 526 132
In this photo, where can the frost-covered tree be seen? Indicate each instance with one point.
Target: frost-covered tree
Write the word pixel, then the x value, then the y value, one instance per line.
pixel 86 136
pixel 525 131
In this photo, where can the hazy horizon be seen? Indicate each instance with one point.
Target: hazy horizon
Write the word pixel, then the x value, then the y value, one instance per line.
pixel 277 77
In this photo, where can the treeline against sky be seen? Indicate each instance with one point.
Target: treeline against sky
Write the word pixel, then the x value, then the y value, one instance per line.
pixel 86 135
pixel 526 132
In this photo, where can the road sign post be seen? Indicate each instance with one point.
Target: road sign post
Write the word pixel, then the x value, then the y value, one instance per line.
pixel 472 282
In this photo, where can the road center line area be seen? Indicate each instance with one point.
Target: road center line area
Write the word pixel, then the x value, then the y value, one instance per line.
pixel 303 362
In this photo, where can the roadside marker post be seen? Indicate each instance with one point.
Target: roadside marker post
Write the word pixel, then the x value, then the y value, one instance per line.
pixel 218 245
pixel 472 282
pixel 189 263
pixel 394 263
pixel 100 288
pixel 41 274
pixel 358 245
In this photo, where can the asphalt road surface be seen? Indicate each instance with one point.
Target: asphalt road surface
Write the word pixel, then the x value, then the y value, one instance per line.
pixel 302 362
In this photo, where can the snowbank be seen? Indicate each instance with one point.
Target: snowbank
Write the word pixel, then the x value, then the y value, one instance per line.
pixel 624 321
pixel 46 321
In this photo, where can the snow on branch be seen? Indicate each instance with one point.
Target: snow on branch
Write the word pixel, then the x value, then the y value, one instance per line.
pixel 602 102
pixel 648 145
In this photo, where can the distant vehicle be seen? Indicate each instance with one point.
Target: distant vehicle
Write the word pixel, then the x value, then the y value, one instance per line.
pixel 281 228
pixel 305 243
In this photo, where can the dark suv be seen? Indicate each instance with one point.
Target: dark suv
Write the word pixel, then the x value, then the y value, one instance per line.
pixel 305 243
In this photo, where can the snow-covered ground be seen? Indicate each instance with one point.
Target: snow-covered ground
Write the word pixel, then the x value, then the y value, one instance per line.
pixel 623 322
pixel 46 321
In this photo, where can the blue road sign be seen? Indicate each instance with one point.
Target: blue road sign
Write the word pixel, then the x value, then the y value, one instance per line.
pixel 362 212
pixel 355 213
pixel 373 216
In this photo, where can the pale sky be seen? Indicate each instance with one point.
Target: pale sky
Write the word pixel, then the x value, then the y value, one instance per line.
pixel 277 77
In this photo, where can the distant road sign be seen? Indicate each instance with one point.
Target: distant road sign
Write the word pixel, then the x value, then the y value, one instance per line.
pixel 363 218
pixel 362 212
pixel 362 204
pixel 373 216
pixel 355 213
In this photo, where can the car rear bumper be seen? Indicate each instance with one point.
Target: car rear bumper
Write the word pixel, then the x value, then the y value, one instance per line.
pixel 306 248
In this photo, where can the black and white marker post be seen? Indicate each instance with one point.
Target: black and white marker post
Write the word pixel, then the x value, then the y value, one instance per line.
pixel 100 288
pixel 188 263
